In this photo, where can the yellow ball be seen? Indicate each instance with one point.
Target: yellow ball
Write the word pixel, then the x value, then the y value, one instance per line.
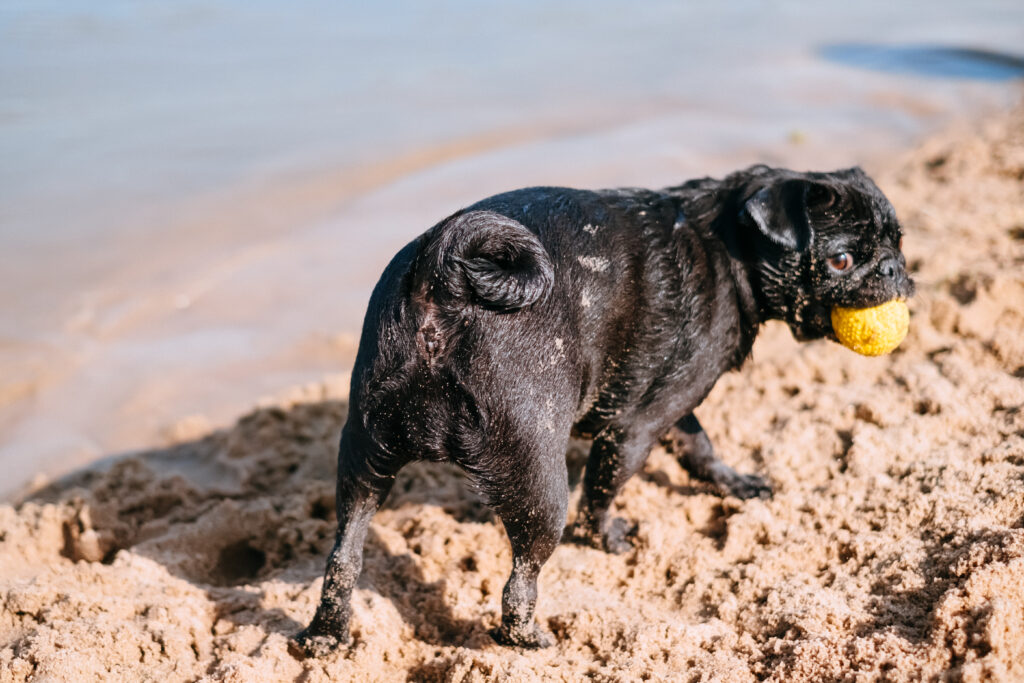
pixel 872 331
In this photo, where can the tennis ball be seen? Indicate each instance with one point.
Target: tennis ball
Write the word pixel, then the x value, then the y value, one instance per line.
pixel 872 331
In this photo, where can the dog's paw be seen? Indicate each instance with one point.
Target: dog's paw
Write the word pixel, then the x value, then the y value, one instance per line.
pixel 616 538
pixel 744 486
pixel 532 637
pixel 308 643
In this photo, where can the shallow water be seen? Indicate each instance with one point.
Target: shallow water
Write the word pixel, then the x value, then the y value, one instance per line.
pixel 196 199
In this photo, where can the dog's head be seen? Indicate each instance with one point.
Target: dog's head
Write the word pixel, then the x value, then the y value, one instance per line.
pixel 822 240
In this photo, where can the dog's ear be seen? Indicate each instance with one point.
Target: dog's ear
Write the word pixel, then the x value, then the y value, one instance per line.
pixel 779 210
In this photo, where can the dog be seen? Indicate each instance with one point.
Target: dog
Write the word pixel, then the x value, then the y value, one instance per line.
pixel 609 315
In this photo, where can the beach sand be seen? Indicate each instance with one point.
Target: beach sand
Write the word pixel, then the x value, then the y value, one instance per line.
pixel 893 548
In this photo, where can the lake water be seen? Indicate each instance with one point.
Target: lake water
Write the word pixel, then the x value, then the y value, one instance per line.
pixel 196 197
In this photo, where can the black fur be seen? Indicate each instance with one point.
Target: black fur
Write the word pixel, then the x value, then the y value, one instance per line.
pixel 610 315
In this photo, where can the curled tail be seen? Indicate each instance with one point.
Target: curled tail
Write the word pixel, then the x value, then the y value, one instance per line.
pixel 484 258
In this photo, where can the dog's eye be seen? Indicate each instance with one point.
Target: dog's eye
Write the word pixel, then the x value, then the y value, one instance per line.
pixel 841 262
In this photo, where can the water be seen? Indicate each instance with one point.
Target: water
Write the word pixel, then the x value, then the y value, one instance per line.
pixel 936 61
pixel 195 198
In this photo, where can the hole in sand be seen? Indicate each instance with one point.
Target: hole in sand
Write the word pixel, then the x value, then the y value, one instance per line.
pixel 965 287
pixel 238 562
pixel 320 509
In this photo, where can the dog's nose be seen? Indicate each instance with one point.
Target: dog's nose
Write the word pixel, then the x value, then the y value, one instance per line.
pixel 892 269
pixel 889 268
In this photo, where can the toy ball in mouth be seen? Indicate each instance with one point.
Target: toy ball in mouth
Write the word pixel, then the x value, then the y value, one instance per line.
pixel 872 331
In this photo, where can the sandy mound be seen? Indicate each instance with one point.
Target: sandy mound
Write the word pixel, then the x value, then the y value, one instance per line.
pixel 893 548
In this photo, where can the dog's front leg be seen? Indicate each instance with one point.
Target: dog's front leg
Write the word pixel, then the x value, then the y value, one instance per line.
pixel 617 453
pixel 688 441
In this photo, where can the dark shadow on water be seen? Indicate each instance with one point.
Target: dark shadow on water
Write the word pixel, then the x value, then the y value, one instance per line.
pixel 933 61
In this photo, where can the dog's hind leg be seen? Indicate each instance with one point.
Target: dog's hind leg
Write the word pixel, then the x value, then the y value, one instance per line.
pixel 532 499
pixel 361 490
pixel 690 444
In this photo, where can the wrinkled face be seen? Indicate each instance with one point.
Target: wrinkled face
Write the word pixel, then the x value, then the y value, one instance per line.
pixel 835 241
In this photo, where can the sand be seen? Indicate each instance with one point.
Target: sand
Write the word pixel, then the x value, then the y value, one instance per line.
pixel 893 548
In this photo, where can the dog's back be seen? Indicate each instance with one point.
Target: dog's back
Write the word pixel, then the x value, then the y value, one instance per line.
pixel 420 359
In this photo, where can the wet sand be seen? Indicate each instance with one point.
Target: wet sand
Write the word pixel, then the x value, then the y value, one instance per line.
pixel 893 548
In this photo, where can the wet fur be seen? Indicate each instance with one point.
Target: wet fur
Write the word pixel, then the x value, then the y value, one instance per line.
pixel 609 315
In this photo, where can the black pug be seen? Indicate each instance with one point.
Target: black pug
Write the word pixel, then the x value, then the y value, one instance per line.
pixel 609 315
